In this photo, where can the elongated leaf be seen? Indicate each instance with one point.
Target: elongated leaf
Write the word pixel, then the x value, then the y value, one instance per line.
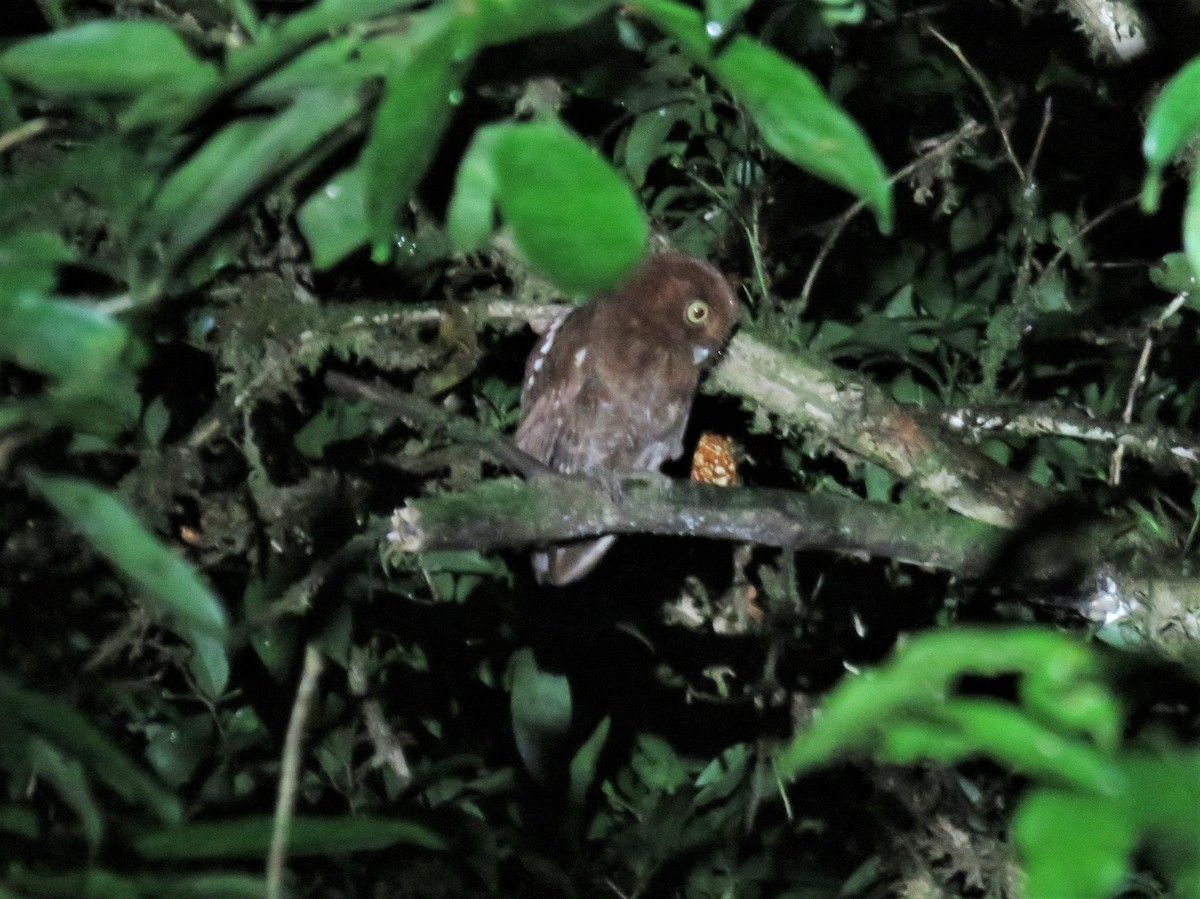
pixel 251 837
pixel 68 341
pixel 502 21
pixel 172 586
pixel 67 729
pixel 584 764
pixel 540 705
pixel 791 110
pixel 240 160
pixel 570 214
pixel 107 59
pixel 422 89
pixel 1174 120
pixel 343 62
pixel 66 776
pixel 471 217
pixel 98 883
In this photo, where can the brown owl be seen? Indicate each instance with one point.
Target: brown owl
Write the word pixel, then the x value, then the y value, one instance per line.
pixel 609 387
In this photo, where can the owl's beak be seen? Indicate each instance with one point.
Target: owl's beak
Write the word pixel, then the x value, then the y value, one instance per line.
pixel 699 354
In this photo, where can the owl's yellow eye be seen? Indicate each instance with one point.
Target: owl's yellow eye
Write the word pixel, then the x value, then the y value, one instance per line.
pixel 697 312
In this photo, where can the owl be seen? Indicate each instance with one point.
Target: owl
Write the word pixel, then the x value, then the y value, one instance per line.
pixel 609 386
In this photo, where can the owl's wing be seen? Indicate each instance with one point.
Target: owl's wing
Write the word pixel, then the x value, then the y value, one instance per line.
pixel 596 407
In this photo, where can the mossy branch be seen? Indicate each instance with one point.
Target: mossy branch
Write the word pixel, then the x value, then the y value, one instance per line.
pixel 547 509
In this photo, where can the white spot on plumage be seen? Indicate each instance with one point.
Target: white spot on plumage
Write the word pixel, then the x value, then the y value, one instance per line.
pixel 548 339
pixel 580 355
pixel 538 363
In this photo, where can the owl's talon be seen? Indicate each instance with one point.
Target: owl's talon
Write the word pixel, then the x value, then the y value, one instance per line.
pixel 611 482
pixel 655 480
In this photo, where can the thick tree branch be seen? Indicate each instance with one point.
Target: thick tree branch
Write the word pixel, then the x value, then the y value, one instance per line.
pixel 856 415
pixel 548 509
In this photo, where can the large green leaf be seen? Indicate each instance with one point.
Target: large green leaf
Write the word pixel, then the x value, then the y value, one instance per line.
pixel 570 214
pixel 422 88
pixel 250 837
pixel 796 118
pixel 1073 844
pixel 171 584
pixel 107 59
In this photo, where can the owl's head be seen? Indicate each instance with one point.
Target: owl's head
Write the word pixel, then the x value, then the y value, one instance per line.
pixel 685 300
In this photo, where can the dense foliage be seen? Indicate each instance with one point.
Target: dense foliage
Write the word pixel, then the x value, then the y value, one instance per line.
pixel 267 272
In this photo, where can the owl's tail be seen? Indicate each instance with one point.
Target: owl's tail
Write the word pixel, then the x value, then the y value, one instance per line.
pixel 568 562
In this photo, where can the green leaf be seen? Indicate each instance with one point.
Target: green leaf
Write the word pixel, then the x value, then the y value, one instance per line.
pixel 1174 274
pixel 541 710
pixel 471 217
pixel 71 342
pixel 171 584
pixel 29 262
pixel 1073 845
pixel 175 750
pixel 643 144
pixel 584 764
pixel 571 215
pixel 791 110
pixel 334 219
pixel 67 777
pixel 1191 220
pixel 504 21
pixel 107 59
pixel 913 696
pixel 722 15
pixel 422 88
pixel 239 160
pixel 343 62
pixel 71 732
pixel 1174 119
pixel 209 663
pixel 17 820
pixel 338 419
pixel 657 765
pixel 250 837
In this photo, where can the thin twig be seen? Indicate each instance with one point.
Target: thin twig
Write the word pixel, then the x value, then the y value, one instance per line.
pixel 1088 227
pixel 987 96
pixel 942 149
pixel 421 411
pixel 289 774
pixel 1047 115
pixel 1139 378
pixel 22 133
